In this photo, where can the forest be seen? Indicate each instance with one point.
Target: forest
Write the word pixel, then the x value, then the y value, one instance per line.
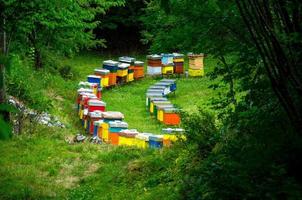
pixel 241 118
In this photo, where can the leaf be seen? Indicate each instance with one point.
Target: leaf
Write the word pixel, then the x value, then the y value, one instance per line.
pixel 5 130
pixel 8 108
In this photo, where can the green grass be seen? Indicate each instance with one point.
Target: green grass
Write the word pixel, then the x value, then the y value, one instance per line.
pixel 40 165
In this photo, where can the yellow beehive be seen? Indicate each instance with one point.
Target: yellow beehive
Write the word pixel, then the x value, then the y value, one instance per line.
pixel 196 72
pixel 167 69
pixel 122 141
pixel 130 77
pixel 196 61
pixel 105 132
pixel 141 143
pixel 171 137
pixel 105 81
pixel 160 115
pixel 141 140
pixel 151 107
pixel 122 72
pixel 81 113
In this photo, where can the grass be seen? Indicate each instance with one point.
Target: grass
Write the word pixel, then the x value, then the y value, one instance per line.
pixel 39 164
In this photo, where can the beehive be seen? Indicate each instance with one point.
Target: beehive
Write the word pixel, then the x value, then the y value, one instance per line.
pixel 167 69
pixel 92 117
pixel 104 73
pixel 97 128
pixel 138 69
pixel 130 75
pixel 152 95
pixel 196 72
pixel 113 116
pixel 156 141
pixel 127 137
pixel 112 78
pixel 112 66
pixel 170 82
pixel 167 59
pixel 122 69
pixel 154 99
pixel 154 104
pixel 94 105
pixel 171 116
pixel 105 132
pixel 114 128
pixel 178 60
pixel 171 135
pixel 127 59
pixel 196 61
pixel 94 79
pixel 142 140
pixel 160 111
pixel 154 65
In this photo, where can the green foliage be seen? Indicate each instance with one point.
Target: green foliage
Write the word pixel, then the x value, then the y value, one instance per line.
pixel 61 27
pixel 23 83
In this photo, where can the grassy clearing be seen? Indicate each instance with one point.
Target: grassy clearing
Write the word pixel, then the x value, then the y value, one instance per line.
pixel 41 165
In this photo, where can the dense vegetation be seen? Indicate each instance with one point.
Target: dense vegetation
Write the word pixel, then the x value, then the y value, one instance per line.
pixel 244 137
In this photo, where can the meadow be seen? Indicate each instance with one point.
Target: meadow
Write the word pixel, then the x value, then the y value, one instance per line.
pixel 40 164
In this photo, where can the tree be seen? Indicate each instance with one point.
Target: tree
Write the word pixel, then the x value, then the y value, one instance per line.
pixel 57 26
pixel 276 29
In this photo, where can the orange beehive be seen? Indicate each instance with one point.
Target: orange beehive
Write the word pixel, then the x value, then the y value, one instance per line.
pixel 112 79
pixel 171 116
pixel 114 138
pixel 138 69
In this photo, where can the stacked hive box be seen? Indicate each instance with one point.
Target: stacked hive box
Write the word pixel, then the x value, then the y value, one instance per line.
pixel 115 127
pixel 138 69
pixel 154 65
pixel 122 73
pixel 104 74
pixel 167 64
pixel 109 126
pixel 196 67
pixel 112 66
pixel 130 61
pixel 178 60
pixel 159 106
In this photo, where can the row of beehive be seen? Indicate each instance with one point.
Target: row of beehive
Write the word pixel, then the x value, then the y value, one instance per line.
pixel 109 126
pixel 174 64
pixel 124 71
pixel 159 106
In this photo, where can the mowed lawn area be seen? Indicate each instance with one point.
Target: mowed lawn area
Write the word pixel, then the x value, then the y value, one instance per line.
pixel 40 164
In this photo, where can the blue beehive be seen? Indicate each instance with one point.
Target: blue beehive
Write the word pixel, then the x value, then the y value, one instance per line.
pixel 111 65
pixel 117 126
pixel 156 141
pixel 172 83
pixel 94 79
pixel 167 59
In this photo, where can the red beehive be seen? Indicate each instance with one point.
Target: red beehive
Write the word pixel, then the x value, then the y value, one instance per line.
pixel 94 105
pixel 92 117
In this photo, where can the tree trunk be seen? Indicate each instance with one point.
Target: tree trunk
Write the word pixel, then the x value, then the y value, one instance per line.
pixel 38 59
pixel 4 114
pixel 269 23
